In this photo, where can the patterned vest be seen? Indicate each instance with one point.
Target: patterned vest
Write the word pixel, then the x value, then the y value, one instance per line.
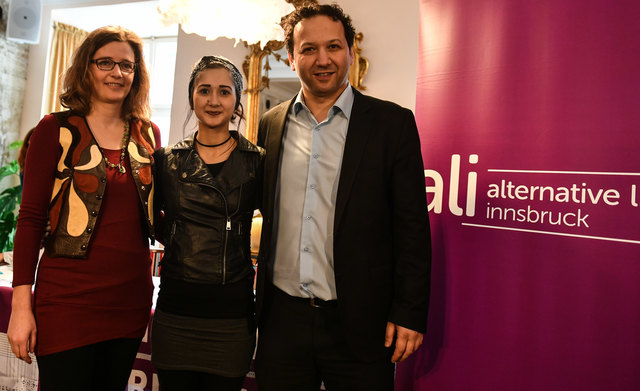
pixel 81 179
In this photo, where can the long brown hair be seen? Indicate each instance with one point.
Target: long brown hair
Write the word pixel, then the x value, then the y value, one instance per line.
pixel 77 86
pixel 22 154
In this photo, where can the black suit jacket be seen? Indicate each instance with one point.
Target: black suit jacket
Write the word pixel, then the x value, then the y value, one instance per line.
pixel 382 251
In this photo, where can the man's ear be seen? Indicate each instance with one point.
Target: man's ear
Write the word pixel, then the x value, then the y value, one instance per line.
pixel 351 54
pixel 291 63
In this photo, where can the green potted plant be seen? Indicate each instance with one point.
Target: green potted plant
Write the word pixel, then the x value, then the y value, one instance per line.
pixel 9 202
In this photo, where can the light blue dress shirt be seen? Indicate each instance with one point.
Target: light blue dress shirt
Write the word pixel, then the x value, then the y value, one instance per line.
pixel 306 198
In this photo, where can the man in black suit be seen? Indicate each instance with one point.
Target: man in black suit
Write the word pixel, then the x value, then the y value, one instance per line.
pixel 343 272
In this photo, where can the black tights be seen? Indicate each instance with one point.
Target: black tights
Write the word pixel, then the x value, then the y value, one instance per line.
pixel 193 380
pixel 103 366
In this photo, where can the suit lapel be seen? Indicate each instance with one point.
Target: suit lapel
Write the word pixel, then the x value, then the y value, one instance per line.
pixel 355 144
pixel 273 146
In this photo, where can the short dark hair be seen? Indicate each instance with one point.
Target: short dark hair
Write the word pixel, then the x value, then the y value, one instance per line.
pixel 309 10
pixel 217 62
pixel 78 87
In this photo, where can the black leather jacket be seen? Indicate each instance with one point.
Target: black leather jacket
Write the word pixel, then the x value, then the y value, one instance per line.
pixel 207 221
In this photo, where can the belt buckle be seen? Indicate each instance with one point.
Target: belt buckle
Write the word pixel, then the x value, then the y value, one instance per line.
pixel 312 302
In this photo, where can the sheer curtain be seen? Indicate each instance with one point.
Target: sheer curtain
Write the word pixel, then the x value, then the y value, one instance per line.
pixel 65 40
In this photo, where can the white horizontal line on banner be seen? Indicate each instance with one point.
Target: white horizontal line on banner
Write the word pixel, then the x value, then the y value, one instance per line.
pixel 143 356
pixel 553 233
pixel 566 172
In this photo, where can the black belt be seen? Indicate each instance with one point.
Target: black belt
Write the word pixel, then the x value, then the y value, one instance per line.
pixel 310 301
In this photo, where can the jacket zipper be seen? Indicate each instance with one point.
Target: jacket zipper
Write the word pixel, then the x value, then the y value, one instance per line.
pixel 227 226
pixel 226 233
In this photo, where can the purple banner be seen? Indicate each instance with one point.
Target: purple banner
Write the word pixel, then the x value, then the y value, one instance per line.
pixel 529 120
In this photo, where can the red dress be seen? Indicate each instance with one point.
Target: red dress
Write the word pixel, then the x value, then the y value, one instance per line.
pixel 83 301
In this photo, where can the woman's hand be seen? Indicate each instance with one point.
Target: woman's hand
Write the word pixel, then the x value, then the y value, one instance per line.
pixel 22 324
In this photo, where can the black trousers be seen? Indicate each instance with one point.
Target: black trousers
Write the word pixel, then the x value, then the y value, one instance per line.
pixel 300 347
pixel 103 366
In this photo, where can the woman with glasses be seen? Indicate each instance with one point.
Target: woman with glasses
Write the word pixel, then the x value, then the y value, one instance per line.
pixel 89 177
pixel 203 332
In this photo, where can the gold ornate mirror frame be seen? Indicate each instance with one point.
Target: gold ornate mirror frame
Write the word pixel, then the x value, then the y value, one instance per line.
pixel 256 80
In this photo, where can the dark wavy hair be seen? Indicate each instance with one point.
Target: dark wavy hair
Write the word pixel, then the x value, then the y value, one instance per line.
pixel 77 86
pixel 213 62
pixel 22 153
pixel 309 10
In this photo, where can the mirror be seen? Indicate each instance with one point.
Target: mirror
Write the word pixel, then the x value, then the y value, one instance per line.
pixel 282 81
pixel 269 76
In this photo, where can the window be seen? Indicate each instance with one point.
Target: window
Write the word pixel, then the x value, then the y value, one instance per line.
pixel 160 57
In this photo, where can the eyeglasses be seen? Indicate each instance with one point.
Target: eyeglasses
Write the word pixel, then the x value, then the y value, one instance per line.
pixel 107 64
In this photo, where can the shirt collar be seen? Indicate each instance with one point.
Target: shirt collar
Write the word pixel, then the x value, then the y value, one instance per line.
pixel 344 102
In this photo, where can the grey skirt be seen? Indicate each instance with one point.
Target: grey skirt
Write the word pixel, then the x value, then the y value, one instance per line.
pixel 220 346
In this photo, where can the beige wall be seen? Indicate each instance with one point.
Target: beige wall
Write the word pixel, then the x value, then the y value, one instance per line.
pixel 391 48
pixel 190 49
pixel 390 43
